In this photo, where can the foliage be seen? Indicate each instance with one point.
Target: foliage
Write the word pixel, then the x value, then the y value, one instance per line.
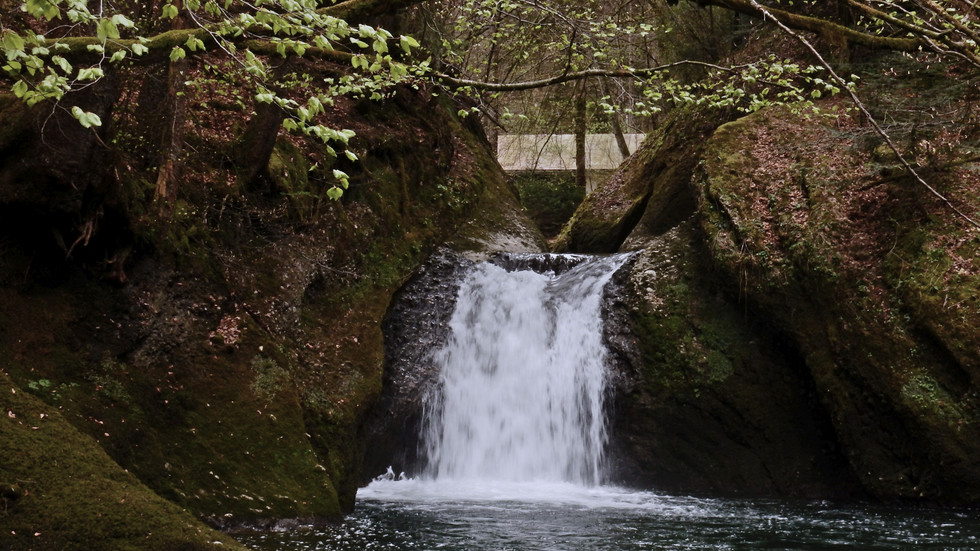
pixel 625 54
pixel 637 57
pixel 627 51
pixel 57 47
pixel 597 61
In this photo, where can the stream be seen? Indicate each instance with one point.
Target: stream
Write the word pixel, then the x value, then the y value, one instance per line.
pixel 407 516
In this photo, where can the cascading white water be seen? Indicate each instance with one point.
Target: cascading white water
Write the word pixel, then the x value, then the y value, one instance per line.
pixel 523 378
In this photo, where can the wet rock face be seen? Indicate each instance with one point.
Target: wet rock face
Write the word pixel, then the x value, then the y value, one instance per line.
pixel 720 403
pixel 417 323
pixel 540 263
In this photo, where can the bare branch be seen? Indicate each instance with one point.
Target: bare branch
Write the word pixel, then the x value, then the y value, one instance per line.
pixel 575 76
pixel 822 26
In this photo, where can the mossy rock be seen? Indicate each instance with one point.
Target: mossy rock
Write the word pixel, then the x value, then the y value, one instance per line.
pixel 722 404
pixel 649 193
pixel 857 265
pixel 227 355
pixel 66 493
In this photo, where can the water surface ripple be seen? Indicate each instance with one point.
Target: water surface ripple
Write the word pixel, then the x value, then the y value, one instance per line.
pixel 412 515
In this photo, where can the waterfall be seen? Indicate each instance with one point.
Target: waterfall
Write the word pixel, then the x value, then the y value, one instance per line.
pixel 523 375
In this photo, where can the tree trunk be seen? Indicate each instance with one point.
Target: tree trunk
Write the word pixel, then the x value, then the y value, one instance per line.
pixel 580 131
pixel 172 145
pixel 617 127
pixel 258 142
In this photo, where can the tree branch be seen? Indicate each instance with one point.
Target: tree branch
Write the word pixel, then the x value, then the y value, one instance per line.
pixel 359 11
pixel 574 76
pixel 352 11
pixel 823 26
pixel 929 37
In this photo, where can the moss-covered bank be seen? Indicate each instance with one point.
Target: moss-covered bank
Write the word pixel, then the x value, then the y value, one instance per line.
pixel 854 265
pixel 648 193
pixel 722 404
pixel 61 491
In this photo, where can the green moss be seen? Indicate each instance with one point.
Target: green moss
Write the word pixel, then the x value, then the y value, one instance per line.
pixel 550 200
pixel 73 496
pixel 930 399
pixel 270 379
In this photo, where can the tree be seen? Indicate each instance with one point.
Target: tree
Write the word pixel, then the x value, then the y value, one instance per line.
pixel 486 47
pixel 53 49
pixel 948 30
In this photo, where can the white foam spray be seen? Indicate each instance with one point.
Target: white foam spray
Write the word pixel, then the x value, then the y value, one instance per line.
pixel 523 379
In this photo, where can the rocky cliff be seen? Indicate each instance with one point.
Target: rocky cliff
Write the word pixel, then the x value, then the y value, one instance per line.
pixel 805 311
pixel 216 357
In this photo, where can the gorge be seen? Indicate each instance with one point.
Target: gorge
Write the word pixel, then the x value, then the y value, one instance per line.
pixel 791 344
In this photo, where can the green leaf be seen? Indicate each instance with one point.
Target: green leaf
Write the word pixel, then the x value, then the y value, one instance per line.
pixel 350 155
pixel 90 73
pixel 194 43
pixel 42 8
pixel 20 88
pixel 139 49
pixel 407 43
pixel 121 20
pixel 321 42
pixel 12 44
pixel 86 118
pixel 170 11
pixel 62 63
pixel 177 54
pixel 315 106
pixel 106 29
pixel 398 71
pixel 335 193
pixel 118 56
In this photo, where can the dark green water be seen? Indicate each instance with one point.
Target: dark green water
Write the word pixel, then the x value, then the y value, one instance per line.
pixel 414 517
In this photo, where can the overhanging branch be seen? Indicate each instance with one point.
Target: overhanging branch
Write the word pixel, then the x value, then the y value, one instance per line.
pixel 574 76
pixel 352 11
pixel 824 27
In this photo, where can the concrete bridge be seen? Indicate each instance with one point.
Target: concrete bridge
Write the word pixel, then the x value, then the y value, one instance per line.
pixel 556 153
